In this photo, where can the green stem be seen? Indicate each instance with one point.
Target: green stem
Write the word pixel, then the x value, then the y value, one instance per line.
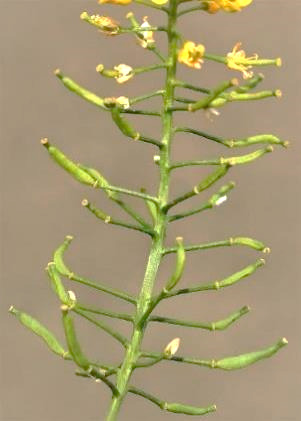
pixel 145 297
pixel 116 293
pixel 107 313
pixel 146 96
pixel 233 241
pixel 120 338
pixel 219 325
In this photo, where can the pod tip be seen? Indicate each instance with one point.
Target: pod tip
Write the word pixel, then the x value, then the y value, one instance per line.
pixel 44 141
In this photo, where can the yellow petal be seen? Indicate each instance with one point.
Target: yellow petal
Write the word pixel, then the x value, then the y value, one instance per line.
pixel 160 1
pixel 245 3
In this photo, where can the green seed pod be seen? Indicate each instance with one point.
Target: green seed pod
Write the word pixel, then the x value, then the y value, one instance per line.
pixel 68 165
pixel 96 211
pixel 223 324
pixel 251 84
pixel 100 180
pixel 245 241
pixel 72 342
pixel 40 330
pixel 133 20
pixel 79 90
pixel 242 361
pixel 253 140
pixel 57 284
pixel 208 101
pixel 187 409
pixel 106 72
pixel 214 200
pixel 218 102
pixel 123 124
pixel 247 271
pixel 152 208
pixel 58 257
pixel 180 265
pixel 212 178
pixel 245 159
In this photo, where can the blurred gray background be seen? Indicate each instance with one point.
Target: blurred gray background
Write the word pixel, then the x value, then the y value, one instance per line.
pixel 40 204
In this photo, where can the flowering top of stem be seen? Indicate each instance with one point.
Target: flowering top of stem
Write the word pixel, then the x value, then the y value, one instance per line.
pixel 191 54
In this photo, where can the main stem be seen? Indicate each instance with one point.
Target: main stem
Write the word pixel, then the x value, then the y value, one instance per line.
pixel 155 256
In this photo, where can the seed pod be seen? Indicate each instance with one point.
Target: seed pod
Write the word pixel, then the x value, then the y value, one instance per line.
pixel 152 208
pixel 68 165
pixel 180 265
pixel 96 211
pixel 251 84
pixel 245 241
pixel 57 284
pixel 242 361
pixel 36 327
pixel 72 342
pixel 100 180
pixel 253 140
pixel 212 178
pixel 245 159
pixel 221 193
pixel 79 90
pixel 123 124
pixel 247 271
pixel 223 324
pixel 187 409
pixel 59 255
pixel 106 72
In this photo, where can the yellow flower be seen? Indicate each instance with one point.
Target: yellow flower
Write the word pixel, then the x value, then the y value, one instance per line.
pixel 233 5
pixel 213 6
pixel 146 38
pixel 191 54
pixel 236 58
pixel 124 73
pixel 123 2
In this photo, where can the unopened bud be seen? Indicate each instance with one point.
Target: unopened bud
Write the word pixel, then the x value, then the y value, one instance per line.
pixel 172 347
pixel 221 200
pixel 72 296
